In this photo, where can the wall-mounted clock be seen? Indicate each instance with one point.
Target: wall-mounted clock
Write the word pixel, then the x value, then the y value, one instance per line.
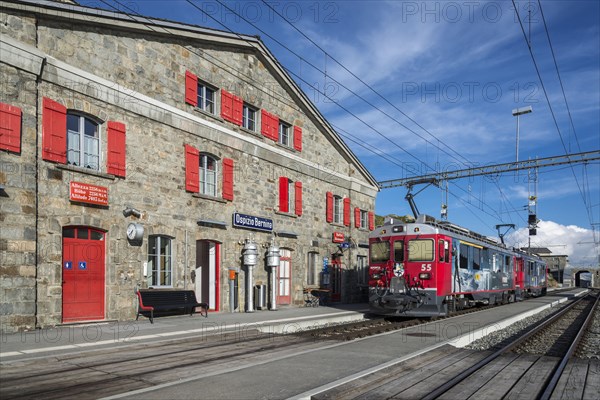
pixel 135 231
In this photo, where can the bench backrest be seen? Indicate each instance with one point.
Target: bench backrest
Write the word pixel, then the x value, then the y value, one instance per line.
pixel 157 297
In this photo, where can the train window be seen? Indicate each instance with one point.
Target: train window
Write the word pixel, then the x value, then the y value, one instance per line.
pixel 379 252
pixel 464 256
pixel 420 250
pixel 399 251
pixel 476 257
pixel 506 264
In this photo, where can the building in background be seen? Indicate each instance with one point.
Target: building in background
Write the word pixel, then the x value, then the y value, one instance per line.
pixel 140 153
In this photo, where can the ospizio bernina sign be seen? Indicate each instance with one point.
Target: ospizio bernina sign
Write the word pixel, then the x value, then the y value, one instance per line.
pixel 252 222
pixel 86 193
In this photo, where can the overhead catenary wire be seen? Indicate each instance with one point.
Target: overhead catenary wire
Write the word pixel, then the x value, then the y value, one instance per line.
pixel 537 70
pixel 345 109
pixel 503 196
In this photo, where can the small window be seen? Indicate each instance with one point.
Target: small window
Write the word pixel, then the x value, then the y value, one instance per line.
pixel 249 117
pixel 364 219
pixel 206 97
pixel 338 210
pixel 476 258
pixel 160 261
pixel 464 256
pixel 399 251
pixel 208 175
pixel 285 134
pixel 83 142
pixel 69 232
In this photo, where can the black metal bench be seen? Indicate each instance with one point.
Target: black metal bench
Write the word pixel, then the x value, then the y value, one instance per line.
pixel 151 300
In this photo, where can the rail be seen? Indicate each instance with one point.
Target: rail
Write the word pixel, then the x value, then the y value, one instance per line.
pixel 439 391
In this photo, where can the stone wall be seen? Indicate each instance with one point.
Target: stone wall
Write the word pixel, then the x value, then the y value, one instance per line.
pixel 93 60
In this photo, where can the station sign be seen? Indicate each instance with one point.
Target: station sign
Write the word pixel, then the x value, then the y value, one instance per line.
pixel 252 222
pixel 90 194
pixel 337 237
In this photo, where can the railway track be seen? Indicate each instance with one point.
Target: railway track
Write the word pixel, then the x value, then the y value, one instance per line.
pixel 528 365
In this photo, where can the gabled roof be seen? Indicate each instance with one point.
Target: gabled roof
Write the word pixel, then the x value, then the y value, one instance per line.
pixel 161 27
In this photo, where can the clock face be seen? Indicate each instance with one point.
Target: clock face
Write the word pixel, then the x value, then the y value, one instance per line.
pixel 135 231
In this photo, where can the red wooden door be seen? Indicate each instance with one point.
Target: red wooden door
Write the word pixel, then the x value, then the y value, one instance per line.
pixel 83 272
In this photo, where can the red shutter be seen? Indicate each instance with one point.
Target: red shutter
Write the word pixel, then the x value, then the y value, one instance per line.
pixel 298 198
pixel 226 105
pixel 371 220
pixel 265 121
pixel 269 125
pixel 191 88
pixel 10 128
pixel 347 211
pixel 356 217
pixel 115 163
pixel 274 127
pixel 298 138
pixel 192 169
pixel 284 194
pixel 54 131
pixel 329 207
pixel 228 179
pixel 238 110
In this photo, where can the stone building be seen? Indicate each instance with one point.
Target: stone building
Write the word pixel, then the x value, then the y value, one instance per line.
pixel 142 153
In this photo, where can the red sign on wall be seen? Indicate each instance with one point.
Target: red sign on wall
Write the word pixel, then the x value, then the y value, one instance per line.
pixel 338 237
pixel 91 194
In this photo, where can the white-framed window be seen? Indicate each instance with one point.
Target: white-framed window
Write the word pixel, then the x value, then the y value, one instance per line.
pixel 83 141
pixel 364 219
pixel 338 210
pixel 207 97
pixel 250 117
pixel 285 133
pixel 160 261
pixel 208 175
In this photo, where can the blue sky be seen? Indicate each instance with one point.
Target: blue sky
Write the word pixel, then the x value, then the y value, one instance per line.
pixel 443 79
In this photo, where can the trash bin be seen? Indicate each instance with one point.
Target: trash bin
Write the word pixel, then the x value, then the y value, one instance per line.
pixel 260 297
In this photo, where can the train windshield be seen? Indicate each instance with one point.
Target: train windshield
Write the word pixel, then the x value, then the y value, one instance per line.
pixel 420 250
pixel 379 252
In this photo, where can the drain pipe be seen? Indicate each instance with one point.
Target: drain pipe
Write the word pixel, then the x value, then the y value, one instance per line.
pixel 250 253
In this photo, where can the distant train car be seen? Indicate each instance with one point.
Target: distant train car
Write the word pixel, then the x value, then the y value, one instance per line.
pixel 432 268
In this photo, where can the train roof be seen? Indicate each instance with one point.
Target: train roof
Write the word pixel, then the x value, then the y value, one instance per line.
pixel 429 225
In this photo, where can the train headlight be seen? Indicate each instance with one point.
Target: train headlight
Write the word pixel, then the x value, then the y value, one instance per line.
pixel 424 275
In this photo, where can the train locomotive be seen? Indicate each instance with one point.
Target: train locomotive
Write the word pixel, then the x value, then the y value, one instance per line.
pixel 432 268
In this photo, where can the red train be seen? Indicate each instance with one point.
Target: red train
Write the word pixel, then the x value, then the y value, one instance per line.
pixel 432 268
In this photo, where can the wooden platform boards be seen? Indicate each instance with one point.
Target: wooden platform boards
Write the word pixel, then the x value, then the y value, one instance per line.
pixel 510 376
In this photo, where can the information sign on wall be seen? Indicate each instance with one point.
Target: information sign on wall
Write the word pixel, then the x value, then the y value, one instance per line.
pixel 86 193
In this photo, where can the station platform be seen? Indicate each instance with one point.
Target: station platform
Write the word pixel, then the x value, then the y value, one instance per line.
pixel 77 337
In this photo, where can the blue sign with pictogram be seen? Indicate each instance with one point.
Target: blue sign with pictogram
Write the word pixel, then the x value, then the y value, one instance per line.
pixel 82 265
pixel 345 245
pixel 68 264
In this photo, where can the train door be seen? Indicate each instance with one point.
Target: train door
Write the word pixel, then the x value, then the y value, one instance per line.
pixel 83 274
pixel 443 270
pixel 519 275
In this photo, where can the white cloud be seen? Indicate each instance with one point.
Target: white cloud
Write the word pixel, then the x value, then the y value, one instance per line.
pixel 572 240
